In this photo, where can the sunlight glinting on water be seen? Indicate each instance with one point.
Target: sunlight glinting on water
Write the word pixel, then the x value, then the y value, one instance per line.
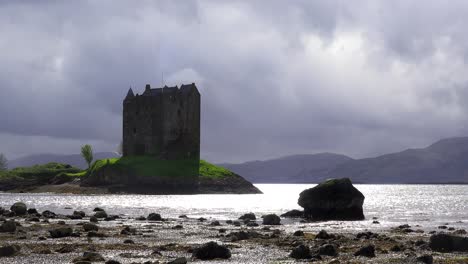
pixel 426 205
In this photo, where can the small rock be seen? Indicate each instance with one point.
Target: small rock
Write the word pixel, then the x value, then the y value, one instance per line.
pixel 93 219
pixel 183 216
pixel 100 214
pixel 90 227
pixel 178 261
pixel 154 217
pixel 367 251
pixel 61 232
pixel 271 219
pixel 19 208
pixel 32 211
pixel 211 250
pixel 375 222
pixel 129 241
pixel 9 250
pixel 128 231
pixel 248 216
pixel 293 214
pixel 396 248
pixel 324 235
pixel 236 223
pixel 328 250
pixel 141 218
pixel 48 214
pixel 96 234
pixel 426 259
pixel 298 233
pixel 66 249
pixel 8 226
pixel 111 261
pixel 252 224
pixel 301 252
pixel 202 219
pixel 215 223
pixel 98 209
pixel 442 227
pixel 89 256
pixel 176 227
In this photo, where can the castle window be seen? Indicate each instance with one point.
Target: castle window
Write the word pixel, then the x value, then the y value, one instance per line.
pixel 137 113
pixel 134 130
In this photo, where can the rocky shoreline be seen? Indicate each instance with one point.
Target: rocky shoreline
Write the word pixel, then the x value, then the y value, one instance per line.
pixel 28 236
pixel 229 185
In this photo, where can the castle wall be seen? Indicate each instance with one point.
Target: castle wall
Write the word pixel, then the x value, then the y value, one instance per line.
pixel 164 123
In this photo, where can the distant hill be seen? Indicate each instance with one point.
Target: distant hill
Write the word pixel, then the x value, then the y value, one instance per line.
pixel 75 159
pixel 445 161
pixel 289 169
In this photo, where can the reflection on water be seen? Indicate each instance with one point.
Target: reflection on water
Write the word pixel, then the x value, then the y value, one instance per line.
pixel 427 205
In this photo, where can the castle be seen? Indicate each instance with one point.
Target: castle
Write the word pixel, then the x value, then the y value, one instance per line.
pixel 162 122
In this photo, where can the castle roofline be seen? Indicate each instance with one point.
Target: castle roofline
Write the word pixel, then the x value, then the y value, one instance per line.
pixel 184 88
pixel 130 94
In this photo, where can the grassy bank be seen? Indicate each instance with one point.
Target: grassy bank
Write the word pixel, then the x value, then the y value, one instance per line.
pixel 144 166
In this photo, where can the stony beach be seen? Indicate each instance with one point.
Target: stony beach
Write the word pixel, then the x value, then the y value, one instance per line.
pixel 28 236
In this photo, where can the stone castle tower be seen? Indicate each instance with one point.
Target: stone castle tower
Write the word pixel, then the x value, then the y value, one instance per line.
pixel 162 122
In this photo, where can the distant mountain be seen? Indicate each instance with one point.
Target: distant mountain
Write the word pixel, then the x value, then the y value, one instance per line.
pixel 75 160
pixel 445 161
pixel 289 169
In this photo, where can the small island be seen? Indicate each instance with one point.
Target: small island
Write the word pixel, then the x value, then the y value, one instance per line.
pixel 160 155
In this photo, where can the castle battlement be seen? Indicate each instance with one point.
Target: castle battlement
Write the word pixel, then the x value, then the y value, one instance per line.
pixel 164 122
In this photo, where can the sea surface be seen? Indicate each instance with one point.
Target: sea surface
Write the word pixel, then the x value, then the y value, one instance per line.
pixel 424 206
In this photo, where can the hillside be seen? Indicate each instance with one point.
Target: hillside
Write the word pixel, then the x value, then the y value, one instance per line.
pixel 445 161
pixel 289 169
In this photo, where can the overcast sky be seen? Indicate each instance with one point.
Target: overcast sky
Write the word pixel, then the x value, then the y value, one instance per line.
pixel 360 78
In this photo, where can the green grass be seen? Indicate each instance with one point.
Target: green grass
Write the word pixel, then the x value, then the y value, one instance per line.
pixel 209 170
pixel 46 170
pixel 142 165
pixel 149 166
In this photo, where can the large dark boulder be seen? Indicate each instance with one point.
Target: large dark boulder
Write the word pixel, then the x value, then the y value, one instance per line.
pixel 19 208
pixel 448 243
pixel 335 199
pixel 211 250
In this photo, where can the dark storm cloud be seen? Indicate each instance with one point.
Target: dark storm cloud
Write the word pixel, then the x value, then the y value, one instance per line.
pixel 360 77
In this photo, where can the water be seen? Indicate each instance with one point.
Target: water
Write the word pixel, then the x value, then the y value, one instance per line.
pixel 425 205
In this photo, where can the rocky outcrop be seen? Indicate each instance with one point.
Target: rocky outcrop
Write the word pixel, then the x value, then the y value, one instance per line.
pixel 335 199
pixel 234 184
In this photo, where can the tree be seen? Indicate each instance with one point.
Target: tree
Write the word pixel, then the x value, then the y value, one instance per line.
pixel 3 162
pixel 87 154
